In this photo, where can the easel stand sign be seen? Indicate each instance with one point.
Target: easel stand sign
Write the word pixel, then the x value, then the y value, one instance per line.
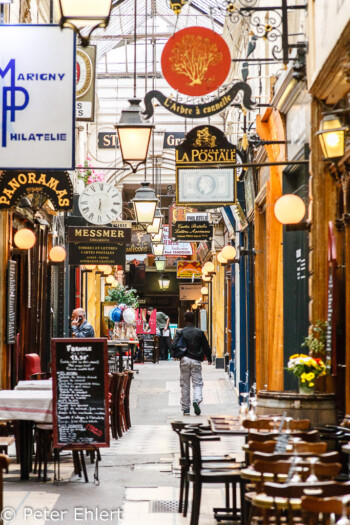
pixel 80 393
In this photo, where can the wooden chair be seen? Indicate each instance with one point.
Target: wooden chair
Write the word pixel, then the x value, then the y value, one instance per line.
pixel 199 474
pixel 311 436
pixel 312 507
pixel 327 457
pixel 130 376
pixel 4 465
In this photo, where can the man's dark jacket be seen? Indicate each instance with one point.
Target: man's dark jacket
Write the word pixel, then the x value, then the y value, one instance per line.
pixel 84 330
pixel 196 343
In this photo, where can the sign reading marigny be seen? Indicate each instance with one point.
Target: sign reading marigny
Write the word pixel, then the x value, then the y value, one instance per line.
pixel 37 94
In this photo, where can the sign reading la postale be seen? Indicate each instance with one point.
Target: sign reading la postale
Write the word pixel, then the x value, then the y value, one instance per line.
pixel 38 97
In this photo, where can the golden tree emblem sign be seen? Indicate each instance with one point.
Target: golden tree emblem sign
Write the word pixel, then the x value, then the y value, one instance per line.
pixel 196 61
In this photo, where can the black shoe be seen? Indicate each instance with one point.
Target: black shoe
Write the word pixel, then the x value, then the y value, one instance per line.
pixel 196 407
pixel 186 412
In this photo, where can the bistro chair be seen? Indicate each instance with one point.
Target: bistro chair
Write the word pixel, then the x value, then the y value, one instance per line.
pixel 130 377
pixel 330 509
pixel 4 465
pixel 311 436
pixel 224 473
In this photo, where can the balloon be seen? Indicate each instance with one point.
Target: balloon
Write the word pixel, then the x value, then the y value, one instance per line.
pixel 122 306
pixel 116 315
pixel 129 315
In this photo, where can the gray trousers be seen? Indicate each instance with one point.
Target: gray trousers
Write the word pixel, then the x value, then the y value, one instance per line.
pixel 190 368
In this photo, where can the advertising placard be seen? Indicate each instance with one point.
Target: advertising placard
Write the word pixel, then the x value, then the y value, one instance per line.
pixel 80 392
pixel 189 270
pixel 192 231
pixel 189 292
pixel 37 91
pixel 85 79
pixel 171 248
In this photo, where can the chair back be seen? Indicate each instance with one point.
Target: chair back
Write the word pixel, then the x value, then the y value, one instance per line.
pixel 258 424
pixel 328 457
pixel 326 471
pixel 32 365
pixel 297 490
pixel 313 506
pixel 313 448
pixel 311 436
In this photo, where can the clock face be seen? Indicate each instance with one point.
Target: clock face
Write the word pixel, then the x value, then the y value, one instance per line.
pixel 100 203
pixel 83 73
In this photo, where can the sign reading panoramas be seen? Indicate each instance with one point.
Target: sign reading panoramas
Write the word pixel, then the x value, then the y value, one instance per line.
pixel 37 90
pixel 205 168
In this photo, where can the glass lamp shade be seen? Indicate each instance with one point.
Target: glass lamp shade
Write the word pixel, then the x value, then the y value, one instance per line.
pixel 209 267
pixel 105 268
pixel 85 12
pixel 114 284
pixel 90 266
pixel 228 252
pixel 221 258
pixel 145 202
pixel 194 306
pixel 289 209
pixel 24 239
pixel 158 249
pixel 198 302
pixel 204 290
pixel 332 137
pixel 157 237
pixel 57 254
pixel 133 133
pixel 160 264
pixel 110 279
pixel 206 278
pixel 164 282
pixel 156 224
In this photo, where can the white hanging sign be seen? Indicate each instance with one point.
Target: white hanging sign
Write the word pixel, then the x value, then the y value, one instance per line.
pixel 37 97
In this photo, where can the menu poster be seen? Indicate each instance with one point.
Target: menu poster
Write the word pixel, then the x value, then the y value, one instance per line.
pixel 80 392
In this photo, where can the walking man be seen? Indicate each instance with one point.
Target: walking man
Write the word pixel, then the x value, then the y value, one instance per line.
pixel 197 347
pixel 80 326
pixel 163 321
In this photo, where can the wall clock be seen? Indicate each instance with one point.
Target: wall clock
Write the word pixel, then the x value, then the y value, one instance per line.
pixel 84 73
pixel 100 203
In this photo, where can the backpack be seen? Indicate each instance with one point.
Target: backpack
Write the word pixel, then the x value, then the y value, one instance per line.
pixel 180 349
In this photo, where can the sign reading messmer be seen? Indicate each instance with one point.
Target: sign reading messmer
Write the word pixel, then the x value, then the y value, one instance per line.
pixel 80 392
pixel 37 93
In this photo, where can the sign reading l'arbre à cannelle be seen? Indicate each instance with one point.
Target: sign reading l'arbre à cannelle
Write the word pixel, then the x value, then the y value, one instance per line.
pixel 55 185
pixel 37 90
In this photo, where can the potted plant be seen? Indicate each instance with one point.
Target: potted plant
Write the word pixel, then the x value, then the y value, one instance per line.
pixel 306 369
pixel 123 295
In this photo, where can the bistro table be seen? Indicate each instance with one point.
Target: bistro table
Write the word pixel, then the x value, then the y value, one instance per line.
pixel 120 347
pixel 230 425
pixel 26 407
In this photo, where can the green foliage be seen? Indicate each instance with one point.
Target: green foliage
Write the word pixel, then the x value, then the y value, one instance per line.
pixel 123 295
pixel 316 341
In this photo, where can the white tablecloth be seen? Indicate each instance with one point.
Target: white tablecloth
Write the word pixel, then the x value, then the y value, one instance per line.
pixel 40 384
pixel 29 405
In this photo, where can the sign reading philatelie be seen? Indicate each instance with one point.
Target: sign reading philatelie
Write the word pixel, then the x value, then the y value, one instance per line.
pixel 80 392
pixel 55 185
pixel 196 61
pixel 37 90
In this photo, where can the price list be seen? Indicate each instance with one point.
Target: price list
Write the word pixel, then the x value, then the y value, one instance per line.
pixel 80 393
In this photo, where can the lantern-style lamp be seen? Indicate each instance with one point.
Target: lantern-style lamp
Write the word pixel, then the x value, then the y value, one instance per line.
pixel 82 13
pixel 134 135
pixel 289 209
pixel 157 237
pixel 332 136
pixel 221 259
pixel 57 254
pixel 158 249
pixel 209 267
pixel 105 268
pixel 145 202
pixel 24 239
pixel 160 264
pixel 164 282
pixel 157 221
pixel 228 252
pixel 204 290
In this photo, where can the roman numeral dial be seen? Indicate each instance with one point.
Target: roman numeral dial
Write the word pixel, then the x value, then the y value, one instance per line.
pixel 100 203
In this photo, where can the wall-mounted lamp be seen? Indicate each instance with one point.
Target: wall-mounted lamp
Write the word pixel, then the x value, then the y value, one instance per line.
pixel 105 268
pixel 290 209
pixel 89 267
pixel 194 306
pixel 204 290
pixel 158 249
pixel 82 13
pixel 160 264
pixel 228 252
pixel 164 282
pixel 206 278
pixel 57 254
pixel 24 239
pixel 208 267
pixel 221 259
pixel 110 279
pixel 145 202
pixel 332 136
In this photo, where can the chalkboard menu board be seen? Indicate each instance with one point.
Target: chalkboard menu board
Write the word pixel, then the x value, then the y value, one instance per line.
pixel 80 392
pixel 11 303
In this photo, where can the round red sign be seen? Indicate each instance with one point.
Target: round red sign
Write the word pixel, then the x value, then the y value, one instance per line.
pixel 196 61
